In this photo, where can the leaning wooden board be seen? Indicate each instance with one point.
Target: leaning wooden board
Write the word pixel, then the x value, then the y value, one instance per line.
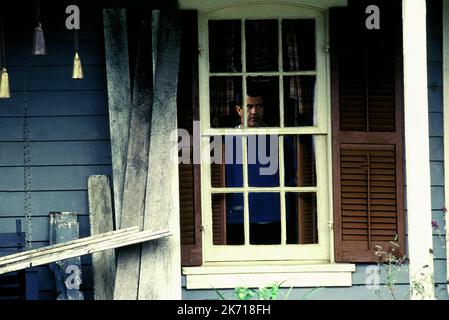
pixel 101 220
pixel 76 248
pixel 160 264
pixel 119 97
pixel 128 262
pixel 64 227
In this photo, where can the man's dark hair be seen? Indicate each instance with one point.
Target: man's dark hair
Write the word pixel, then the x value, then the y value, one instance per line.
pixel 254 89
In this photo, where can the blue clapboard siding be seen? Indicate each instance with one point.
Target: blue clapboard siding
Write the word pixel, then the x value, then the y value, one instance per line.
pixel 12 203
pixel 57 103
pixel 55 128
pixel 62 153
pixel 69 129
pixel 355 292
pixel 41 226
pixel 359 290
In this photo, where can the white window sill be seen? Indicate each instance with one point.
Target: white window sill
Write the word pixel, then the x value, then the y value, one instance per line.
pixel 229 277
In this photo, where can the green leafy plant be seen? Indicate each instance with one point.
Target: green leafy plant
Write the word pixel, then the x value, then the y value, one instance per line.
pixel 269 292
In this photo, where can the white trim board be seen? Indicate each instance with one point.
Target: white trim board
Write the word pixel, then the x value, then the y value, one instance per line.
pixel 419 213
pixel 211 5
pixel 230 277
pixel 446 121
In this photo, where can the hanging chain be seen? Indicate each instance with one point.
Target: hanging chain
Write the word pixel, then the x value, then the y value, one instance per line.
pixel 2 44
pixel 27 161
pixel 38 13
pixel 75 39
pixel 75 35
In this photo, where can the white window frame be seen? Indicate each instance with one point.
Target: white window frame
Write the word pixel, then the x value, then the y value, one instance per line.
pixel 446 121
pixel 311 253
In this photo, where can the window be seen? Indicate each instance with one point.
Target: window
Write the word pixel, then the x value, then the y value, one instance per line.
pixel 263 84
pixel 264 135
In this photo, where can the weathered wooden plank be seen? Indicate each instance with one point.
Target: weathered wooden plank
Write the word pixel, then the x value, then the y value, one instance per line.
pixel 101 221
pixel 128 263
pixel 160 275
pixel 76 248
pixel 119 96
pixel 42 251
pixel 154 37
pixel 64 227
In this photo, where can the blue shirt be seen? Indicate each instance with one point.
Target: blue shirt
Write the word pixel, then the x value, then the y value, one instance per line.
pixel 263 171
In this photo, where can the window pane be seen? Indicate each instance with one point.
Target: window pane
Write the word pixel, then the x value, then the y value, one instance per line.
pixel 299 161
pixel 226 161
pixel 299 101
pixel 227 219
pixel 225 46
pixel 224 94
pixel 263 161
pixel 261 45
pixel 301 211
pixel 298 45
pixel 233 161
pixel 264 217
pixel 262 101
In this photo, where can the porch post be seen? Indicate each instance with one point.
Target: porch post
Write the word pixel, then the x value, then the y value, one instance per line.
pixel 419 212
pixel 446 123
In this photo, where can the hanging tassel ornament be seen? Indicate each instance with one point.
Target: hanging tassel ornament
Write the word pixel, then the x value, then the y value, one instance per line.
pixel 77 67
pixel 4 85
pixel 39 47
pixel 4 78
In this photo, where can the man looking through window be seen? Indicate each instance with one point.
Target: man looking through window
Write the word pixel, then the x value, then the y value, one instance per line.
pixel 263 171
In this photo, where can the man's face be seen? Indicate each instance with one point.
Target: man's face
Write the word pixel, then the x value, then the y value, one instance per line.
pixel 254 109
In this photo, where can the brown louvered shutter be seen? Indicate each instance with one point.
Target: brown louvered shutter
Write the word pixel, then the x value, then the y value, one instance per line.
pixel 367 131
pixel 189 174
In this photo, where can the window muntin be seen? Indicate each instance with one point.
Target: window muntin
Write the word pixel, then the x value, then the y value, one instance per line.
pixel 298 112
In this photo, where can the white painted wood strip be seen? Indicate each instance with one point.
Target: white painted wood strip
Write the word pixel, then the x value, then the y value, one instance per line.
pixel 262 131
pixel 257 280
pixel 272 268
pixel 211 5
pixel 419 212
pixel 446 123
pixel 119 97
pixel 128 263
pixel 101 220
pixel 48 254
pixel 160 268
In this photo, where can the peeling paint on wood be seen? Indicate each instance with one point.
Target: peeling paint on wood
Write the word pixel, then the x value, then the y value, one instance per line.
pixel 101 221
pixel 119 97
pixel 160 267
pixel 64 227
pixel 128 263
